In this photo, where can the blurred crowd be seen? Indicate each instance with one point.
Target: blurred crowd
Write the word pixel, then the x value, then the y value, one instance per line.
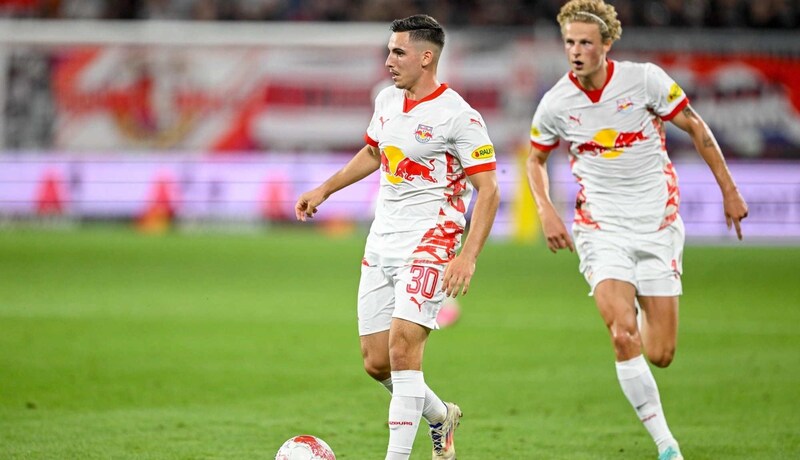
pixel 773 14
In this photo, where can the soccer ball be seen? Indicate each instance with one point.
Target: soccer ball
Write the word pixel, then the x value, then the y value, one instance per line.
pixel 305 447
pixel 449 313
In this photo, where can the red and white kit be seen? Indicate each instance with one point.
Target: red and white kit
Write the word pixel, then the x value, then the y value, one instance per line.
pixel 428 149
pixel 618 155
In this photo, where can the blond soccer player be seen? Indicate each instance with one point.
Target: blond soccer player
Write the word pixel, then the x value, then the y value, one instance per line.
pixel 627 230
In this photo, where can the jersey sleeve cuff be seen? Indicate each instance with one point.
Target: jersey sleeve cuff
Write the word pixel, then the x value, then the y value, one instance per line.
pixel 681 105
pixel 480 168
pixel 370 140
pixel 544 148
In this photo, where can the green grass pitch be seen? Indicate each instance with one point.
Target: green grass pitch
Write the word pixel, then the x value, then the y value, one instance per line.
pixel 115 345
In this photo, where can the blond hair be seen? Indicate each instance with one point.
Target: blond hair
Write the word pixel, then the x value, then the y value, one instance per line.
pixel 592 12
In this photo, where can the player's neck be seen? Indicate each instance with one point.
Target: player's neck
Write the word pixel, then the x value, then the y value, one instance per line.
pixel 422 89
pixel 595 80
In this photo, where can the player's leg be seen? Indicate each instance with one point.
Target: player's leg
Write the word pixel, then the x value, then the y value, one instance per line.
pixel 375 308
pixel 658 271
pixel 418 297
pixel 406 345
pixel 615 301
pixel 609 268
pixel 375 352
pixel 609 263
pixel 659 328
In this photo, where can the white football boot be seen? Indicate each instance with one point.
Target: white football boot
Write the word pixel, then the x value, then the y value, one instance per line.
pixel 444 447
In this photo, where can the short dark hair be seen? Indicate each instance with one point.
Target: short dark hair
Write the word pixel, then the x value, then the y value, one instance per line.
pixel 422 28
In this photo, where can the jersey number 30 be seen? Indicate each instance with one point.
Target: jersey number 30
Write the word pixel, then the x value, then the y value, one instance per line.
pixel 423 281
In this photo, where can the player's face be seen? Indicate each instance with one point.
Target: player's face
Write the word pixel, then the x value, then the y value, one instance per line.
pixel 405 61
pixel 585 50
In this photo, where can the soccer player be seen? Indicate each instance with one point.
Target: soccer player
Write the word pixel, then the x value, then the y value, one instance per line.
pixel 627 229
pixel 432 150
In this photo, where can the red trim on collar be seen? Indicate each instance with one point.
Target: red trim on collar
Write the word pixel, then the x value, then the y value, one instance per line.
pixel 594 95
pixel 408 104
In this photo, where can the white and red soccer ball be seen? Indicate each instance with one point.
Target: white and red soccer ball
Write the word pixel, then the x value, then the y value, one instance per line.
pixel 305 447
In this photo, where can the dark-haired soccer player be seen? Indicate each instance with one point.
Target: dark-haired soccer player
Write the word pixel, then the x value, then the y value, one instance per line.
pixel 627 230
pixel 432 150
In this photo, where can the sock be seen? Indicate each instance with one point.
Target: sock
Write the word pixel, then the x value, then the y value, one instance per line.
pixel 405 411
pixel 640 388
pixel 387 384
pixel 434 411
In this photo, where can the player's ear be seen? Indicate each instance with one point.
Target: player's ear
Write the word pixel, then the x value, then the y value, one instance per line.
pixel 427 57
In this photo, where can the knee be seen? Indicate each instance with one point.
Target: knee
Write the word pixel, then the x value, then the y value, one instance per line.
pixel 662 356
pixel 624 339
pixel 379 371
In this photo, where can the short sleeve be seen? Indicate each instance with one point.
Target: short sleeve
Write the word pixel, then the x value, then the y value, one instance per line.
pixel 665 97
pixel 472 144
pixel 543 133
pixel 371 136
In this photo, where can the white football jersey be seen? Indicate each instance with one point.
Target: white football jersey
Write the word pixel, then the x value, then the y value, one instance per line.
pixel 617 145
pixel 428 148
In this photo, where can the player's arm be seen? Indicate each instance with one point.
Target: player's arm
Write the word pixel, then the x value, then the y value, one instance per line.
pixel 459 271
pixel 364 163
pixel 554 230
pixel 733 203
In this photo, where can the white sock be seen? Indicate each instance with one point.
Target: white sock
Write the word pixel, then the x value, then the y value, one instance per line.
pixel 434 410
pixel 405 411
pixel 640 388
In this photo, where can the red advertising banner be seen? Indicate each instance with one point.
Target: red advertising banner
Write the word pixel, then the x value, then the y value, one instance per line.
pixel 298 96
pixel 751 102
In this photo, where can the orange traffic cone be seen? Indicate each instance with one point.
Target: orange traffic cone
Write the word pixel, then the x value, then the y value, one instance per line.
pixel 159 211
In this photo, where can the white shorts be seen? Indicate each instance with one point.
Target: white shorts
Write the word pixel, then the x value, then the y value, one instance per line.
pixel 652 262
pixel 411 292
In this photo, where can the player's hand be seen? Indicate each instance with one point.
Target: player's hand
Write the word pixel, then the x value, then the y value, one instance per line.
pixel 457 276
pixel 555 232
pixel 735 210
pixel 307 204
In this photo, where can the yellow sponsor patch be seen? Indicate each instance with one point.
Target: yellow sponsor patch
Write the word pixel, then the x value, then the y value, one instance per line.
pixel 483 152
pixel 535 132
pixel 675 92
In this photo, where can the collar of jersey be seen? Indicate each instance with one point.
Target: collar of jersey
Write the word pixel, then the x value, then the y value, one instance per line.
pixel 408 104
pixel 594 94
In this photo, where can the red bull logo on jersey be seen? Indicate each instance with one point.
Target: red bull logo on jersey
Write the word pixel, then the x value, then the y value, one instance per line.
pixel 624 105
pixel 397 167
pixel 423 133
pixel 609 143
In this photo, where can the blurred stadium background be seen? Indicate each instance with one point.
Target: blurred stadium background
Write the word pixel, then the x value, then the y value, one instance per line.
pixel 215 112
pixel 201 120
